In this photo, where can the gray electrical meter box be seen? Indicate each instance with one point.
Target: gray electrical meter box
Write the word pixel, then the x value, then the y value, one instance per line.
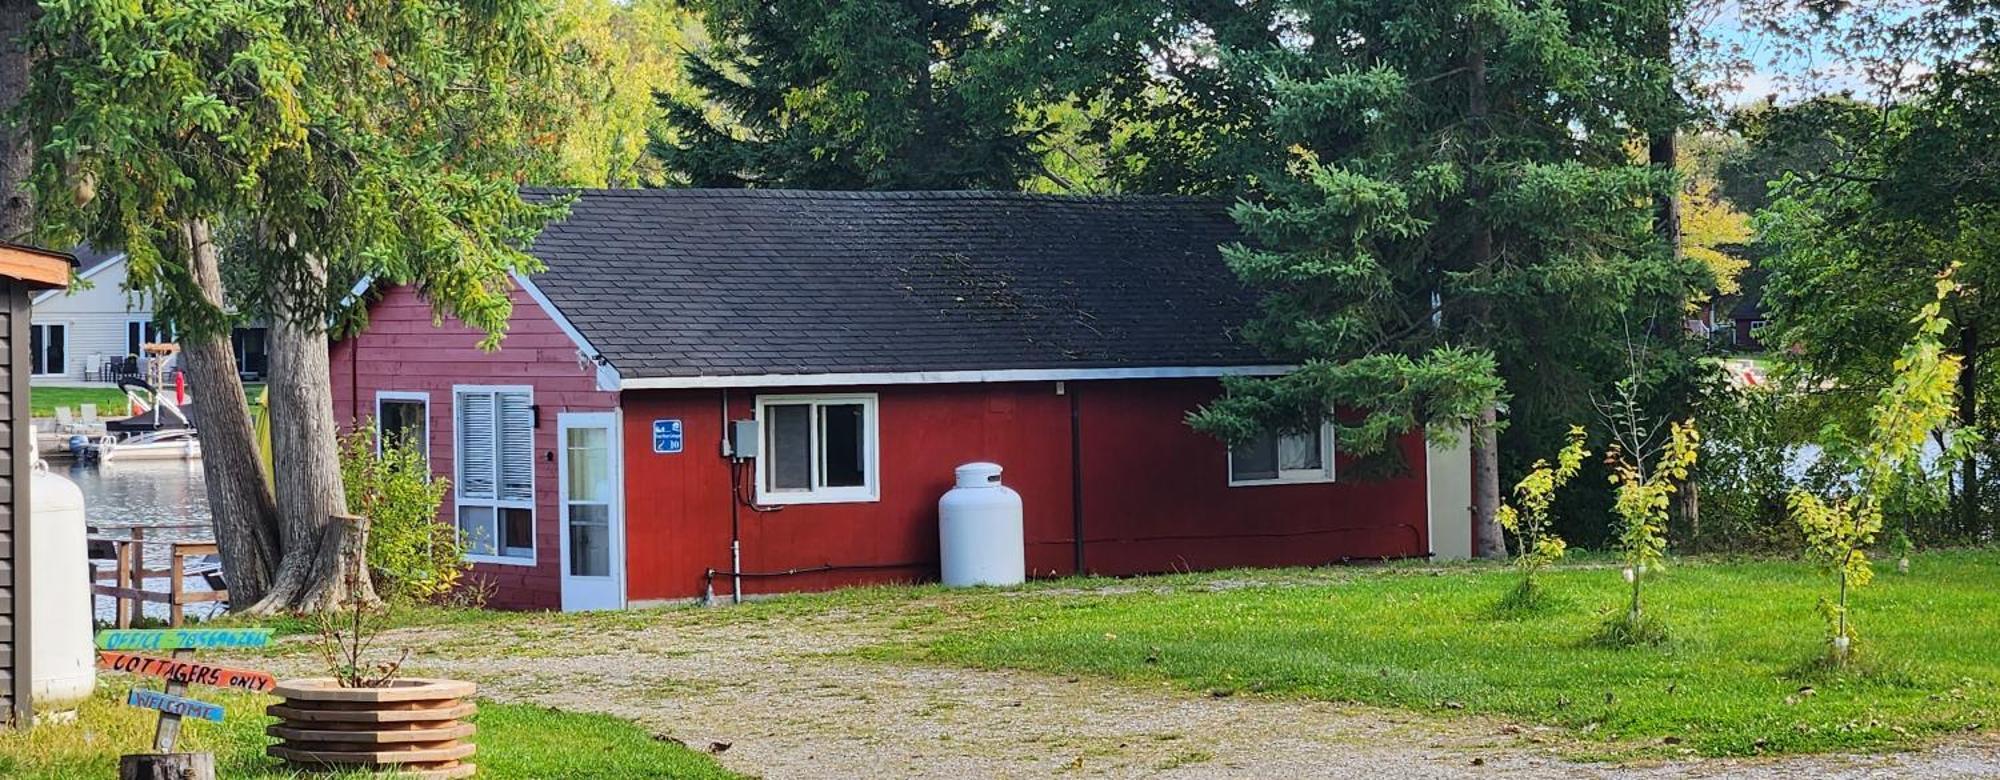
pixel 743 439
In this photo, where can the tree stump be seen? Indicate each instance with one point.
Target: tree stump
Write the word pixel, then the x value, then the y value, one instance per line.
pixel 167 766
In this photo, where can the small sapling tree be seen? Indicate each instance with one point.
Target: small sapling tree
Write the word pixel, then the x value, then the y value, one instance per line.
pixel 1528 518
pixel 1648 466
pixel 1919 400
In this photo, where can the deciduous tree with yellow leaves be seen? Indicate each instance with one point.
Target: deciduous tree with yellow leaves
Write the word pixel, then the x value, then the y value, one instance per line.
pixel 1918 401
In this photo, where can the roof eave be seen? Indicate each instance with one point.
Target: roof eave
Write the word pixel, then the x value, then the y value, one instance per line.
pixel 949 377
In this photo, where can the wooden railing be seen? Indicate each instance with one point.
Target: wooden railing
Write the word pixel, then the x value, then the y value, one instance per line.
pixel 128 572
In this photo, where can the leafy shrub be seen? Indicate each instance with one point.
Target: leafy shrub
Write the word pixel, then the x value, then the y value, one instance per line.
pixel 410 553
pixel 1752 446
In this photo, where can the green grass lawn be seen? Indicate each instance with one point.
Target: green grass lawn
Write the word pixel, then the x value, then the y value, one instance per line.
pixel 515 741
pixel 43 400
pixel 1738 678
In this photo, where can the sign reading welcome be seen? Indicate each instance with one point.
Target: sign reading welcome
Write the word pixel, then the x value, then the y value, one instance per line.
pixel 173 705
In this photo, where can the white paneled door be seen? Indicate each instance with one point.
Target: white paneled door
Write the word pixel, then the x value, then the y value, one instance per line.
pixel 593 523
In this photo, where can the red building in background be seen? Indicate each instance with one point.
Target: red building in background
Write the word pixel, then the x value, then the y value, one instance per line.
pixel 860 346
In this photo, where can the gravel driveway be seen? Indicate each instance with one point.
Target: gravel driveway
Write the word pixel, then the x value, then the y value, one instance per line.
pixel 778 694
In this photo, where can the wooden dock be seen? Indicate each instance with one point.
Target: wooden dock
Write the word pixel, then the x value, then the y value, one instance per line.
pixel 128 572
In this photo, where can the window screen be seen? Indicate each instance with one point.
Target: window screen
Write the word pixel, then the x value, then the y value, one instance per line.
pixel 844 445
pixel 1287 457
pixel 403 422
pixel 791 456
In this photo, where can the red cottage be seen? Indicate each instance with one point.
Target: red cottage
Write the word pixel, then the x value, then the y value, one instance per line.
pixel 862 345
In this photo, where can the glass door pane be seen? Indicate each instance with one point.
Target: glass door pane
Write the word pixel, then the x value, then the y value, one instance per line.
pixel 588 509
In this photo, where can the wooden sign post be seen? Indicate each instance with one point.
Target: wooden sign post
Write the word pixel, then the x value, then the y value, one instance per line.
pixel 173 704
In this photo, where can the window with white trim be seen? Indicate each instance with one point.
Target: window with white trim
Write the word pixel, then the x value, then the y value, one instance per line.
pixel 496 472
pixel 817 449
pixel 1283 458
pixel 1749 334
pixel 139 333
pixel 46 347
pixel 403 417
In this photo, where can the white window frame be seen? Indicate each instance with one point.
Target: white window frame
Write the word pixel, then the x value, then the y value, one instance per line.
pixel 62 370
pixel 419 397
pixel 1322 475
pixel 496 503
pixel 871 448
pixel 1751 333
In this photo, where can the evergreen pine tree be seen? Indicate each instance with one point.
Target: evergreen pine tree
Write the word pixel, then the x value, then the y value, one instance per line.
pixel 868 94
pixel 1466 199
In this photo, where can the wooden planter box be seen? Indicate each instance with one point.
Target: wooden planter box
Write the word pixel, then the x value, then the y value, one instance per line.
pixel 413 727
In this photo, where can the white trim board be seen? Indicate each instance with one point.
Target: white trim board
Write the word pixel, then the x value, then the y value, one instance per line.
pixel 117 259
pixel 948 377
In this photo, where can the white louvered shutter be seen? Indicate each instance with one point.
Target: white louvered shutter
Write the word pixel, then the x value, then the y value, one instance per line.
pixel 475 445
pixel 517 447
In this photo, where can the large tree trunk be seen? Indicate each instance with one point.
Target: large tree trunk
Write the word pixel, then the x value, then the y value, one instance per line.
pixel 305 457
pixel 238 498
pixel 1663 154
pixel 1489 541
pixel 16 216
pixel 1968 421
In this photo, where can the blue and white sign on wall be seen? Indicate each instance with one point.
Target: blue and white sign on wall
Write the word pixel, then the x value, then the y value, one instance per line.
pixel 667 438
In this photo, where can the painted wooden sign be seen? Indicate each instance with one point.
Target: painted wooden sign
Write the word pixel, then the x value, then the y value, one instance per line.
pixel 173 705
pixel 182 638
pixel 186 671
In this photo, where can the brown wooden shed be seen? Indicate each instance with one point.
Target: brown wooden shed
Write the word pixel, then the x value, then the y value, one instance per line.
pixel 24 271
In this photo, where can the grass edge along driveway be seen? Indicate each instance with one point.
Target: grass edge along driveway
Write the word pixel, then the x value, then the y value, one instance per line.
pixel 1738 678
pixel 516 741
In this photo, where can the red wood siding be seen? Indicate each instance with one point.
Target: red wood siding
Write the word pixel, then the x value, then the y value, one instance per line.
pixel 678 505
pixel 1156 495
pixel 402 350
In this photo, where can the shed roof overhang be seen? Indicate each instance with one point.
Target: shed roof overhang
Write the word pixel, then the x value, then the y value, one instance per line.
pixel 39 268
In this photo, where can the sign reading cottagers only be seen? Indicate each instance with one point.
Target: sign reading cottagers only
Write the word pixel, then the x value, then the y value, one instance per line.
pixel 186 671
pixel 667 437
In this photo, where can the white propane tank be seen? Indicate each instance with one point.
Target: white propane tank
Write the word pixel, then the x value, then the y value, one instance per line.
pixel 979 530
pixel 64 653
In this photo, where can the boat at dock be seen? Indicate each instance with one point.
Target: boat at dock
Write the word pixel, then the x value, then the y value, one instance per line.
pixel 160 429
pixel 171 444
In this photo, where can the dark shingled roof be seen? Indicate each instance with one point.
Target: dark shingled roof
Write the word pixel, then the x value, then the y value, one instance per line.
pixel 89 258
pixel 716 283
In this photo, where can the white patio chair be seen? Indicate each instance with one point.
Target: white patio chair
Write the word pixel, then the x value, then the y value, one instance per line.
pixel 64 422
pixel 90 422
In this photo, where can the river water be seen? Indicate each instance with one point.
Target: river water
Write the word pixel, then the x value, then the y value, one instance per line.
pixel 145 493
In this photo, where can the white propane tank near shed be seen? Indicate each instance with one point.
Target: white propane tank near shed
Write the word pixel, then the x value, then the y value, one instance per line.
pixel 979 530
pixel 64 653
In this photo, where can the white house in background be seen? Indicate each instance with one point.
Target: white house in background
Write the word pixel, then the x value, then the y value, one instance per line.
pixel 94 334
